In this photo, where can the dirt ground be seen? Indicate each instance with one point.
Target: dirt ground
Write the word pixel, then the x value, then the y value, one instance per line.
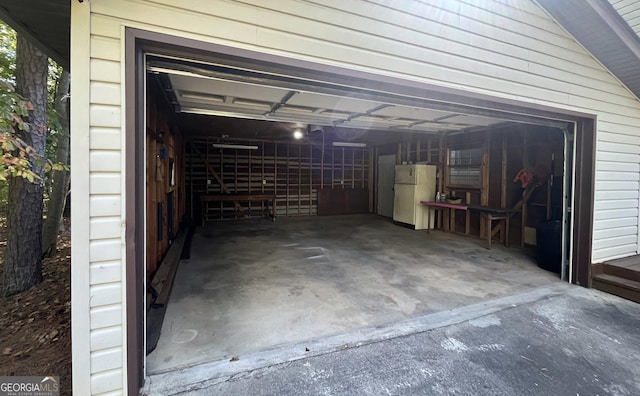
pixel 35 325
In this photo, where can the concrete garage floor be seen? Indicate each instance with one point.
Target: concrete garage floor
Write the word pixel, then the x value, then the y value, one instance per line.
pixel 554 340
pixel 253 285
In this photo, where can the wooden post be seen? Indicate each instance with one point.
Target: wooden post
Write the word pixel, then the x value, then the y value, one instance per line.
pixel 452 214
pixel 342 173
pixel 399 154
pixel 373 186
pixel 364 152
pixel 287 184
pixel 353 168
pixel 191 178
pixel 275 177
pixel 443 163
pixel 333 164
pixel 218 178
pixel 525 163
pixel 484 185
pixel 467 226
pixel 299 179
pixel 310 178
pixel 322 164
pixel 418 150
pixel 503 184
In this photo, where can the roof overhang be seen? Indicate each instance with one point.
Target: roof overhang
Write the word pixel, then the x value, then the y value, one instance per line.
pixel 46 23
pixel 602 31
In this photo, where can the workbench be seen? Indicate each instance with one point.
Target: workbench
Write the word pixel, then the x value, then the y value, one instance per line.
pixel 269 199
pixel 490 214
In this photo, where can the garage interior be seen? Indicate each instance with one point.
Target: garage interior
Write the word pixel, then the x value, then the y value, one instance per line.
pixel 270 205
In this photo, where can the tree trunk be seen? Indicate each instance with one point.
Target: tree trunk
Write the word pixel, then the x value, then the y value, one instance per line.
pixel 60 178
pixel 23 257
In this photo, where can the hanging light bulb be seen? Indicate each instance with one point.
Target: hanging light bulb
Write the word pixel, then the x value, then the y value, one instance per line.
pixel 297 134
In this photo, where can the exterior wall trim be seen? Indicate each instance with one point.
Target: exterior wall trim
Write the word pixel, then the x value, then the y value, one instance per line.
pixel 134 209
pixel 80 210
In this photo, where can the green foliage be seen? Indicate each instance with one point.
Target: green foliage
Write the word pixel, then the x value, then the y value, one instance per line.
pixel 7 52
pixel 15 153
pixel 16 156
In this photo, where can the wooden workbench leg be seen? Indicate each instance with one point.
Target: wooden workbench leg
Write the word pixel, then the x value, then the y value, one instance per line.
pixel 488 230
pixel 506 231
pixel 428 220
pixel 273 209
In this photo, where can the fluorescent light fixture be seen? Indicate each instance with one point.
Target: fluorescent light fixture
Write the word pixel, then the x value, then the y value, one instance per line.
pixel 234 146
pixel 349 144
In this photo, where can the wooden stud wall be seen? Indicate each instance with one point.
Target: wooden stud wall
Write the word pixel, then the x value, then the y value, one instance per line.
pixel 505 152
pixel 293 171
pixel 164 146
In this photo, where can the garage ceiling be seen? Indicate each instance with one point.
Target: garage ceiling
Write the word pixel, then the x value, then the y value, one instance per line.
pixel 214 90
pixel 212 96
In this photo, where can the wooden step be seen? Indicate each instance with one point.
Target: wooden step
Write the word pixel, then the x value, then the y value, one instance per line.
pixel 621 287
pixel 630 272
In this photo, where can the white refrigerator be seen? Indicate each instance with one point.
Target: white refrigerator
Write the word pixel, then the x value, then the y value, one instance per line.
pixel 414 183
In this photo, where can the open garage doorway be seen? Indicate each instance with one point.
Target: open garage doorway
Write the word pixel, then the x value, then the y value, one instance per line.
pixel 220 130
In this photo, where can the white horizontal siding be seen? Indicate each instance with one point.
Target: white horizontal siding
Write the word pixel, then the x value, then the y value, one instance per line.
pixel 105 116
pixel 617 176
pixel 105 93
pixel 630 159
pixel 106 272
pixel 623 240
pixel 105 71
pixel 112 393
pixel 105 228
pixel 607 223
pixel 605 214
pixel 617 191
pixel 619 148
pixel 618 128
pixel 616 232
pixel 616 251
pixel 502 48
pixel 105 161
pixel 106 138
pixel 105 294
pixel 108 381
pixel 616 195
pixel 618 166
pixel 106 338
pixel 105 183
pixel 106 359
pixel 616 203
pixel 105 250
pixel 629 10
pixel 105 48
pixel 616 185
pixel 106 316
pixel 105 205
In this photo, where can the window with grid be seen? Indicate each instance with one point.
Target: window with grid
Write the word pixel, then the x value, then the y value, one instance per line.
pixel 465 166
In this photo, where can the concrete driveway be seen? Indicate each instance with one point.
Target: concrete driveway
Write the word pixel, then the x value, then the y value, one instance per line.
pixel 554 340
